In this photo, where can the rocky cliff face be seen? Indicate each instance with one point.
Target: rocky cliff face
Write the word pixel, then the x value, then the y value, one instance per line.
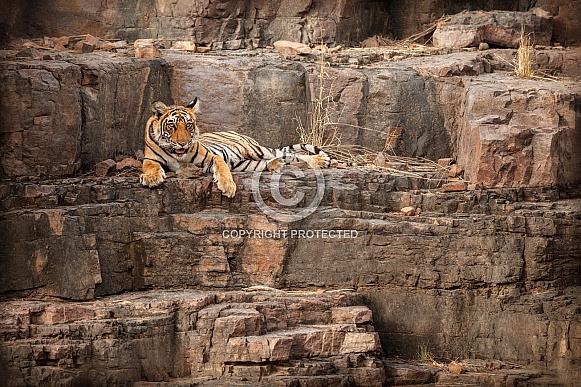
pixel 103 280
pixel 243 337
pixel 220 24
pixel 235 24
pixel 494 268
pixel 439 103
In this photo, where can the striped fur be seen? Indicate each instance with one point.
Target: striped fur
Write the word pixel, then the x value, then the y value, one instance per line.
pixel 172 139
pixel 243 153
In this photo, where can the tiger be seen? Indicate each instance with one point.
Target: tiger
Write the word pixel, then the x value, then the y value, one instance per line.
pixel 173 139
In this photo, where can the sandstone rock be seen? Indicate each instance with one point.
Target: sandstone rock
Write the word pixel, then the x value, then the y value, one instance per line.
pixel 29 53
pixel 105 224
pixel 105 167
pixel 408 374
pixel 184 45
pixel 147 52
pixel 455 368
pixel 483 46
pixel 351 315
pixel 136 83
pixel 533 124
pixel 287 49
pixel 180 334
pixel 110 46
pixel 61 43
pixel 469 29
pixel 128 162
pixel 49 128
pixel 455 65
pixel 408 211
pixel 88 47
pixel 455 170
pixel 145 48
pixel 454 186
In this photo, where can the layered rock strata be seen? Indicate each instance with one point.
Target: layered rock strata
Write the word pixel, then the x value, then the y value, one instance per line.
pixel 194 337
pixel 498 269
pixel 441 105
pixel 490 273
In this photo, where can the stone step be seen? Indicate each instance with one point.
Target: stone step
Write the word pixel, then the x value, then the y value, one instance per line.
pixel 160 335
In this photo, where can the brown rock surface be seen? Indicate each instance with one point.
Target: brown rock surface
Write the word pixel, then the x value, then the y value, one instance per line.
pixel 264 96
pixel 287 49
pixel 164 335
pixel 225 24
pixel 469 29
pixel 125 237
pixel 34 129
pixel 495 268
pixel 512 131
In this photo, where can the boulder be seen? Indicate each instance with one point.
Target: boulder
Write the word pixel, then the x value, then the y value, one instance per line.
pixel 144 48
pixel 105 167
pixel 287 49
pixel 470 29
pixel 520 133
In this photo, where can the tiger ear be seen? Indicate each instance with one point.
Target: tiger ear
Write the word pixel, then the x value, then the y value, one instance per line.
pixel 158 108
pixel 194 105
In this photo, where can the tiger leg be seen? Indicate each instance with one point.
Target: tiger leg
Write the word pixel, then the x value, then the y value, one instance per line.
pixel 152 175
pixel 223 177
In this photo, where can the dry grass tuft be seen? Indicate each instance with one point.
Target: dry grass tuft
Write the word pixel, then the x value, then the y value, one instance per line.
pixel 321 130
pixel 524 63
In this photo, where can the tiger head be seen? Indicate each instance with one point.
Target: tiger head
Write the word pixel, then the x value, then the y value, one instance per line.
pixel 174 128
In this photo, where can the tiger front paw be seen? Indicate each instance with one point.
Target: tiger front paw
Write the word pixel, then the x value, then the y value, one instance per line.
pixel 226 185
pixel 152 175
pixel 320 160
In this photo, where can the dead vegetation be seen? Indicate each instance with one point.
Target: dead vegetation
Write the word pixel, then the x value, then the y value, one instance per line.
pixel 322 130
pixel 524 64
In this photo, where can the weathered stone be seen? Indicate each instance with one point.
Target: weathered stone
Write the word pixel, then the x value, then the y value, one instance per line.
pixel 30 52
pixel 565 20
pixel 287 49
pixel 514 249
pixel 184 45
pixel 137 83
pixel 105 167
pixel 244 22
pixel 532 125
pixel 469 29
pixel 171 334
pixel 34 128
pixel 147 52
pixel 455 368
pixel 408 211
pixel 408 374
pixel 128 162
pixel 455 170
pixel 351 315
pixel 454 186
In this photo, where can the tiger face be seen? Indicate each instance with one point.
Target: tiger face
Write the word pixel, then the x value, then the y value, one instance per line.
pixel 174 128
